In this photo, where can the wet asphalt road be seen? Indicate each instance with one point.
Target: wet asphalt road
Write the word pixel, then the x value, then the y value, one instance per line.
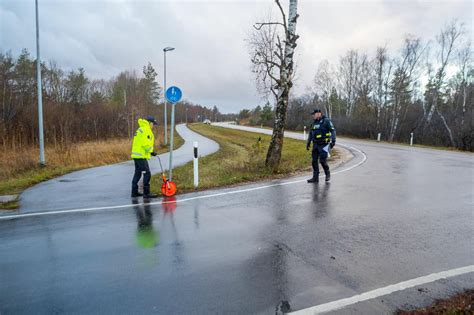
pixel 105 185
pixel 403 213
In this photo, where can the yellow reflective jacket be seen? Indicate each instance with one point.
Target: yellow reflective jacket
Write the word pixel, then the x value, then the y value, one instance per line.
pixel 143 141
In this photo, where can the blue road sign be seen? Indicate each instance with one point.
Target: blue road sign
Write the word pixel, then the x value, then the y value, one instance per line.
pixel 173 94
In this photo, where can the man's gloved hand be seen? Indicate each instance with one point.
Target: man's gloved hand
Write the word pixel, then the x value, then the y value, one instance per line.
pixel 308 146
pixel 154 154
pixel 332 144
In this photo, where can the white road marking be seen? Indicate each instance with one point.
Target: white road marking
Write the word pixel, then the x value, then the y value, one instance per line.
pixel 36 214
pixel 336 305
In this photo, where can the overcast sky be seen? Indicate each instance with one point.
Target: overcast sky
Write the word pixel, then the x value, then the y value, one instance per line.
pixel 211 61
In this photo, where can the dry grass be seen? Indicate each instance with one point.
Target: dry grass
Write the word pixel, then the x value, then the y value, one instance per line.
pixel 20 169
pixel 78 155
pixel 459 304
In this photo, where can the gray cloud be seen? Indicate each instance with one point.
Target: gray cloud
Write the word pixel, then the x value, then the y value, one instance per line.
pixel 211 61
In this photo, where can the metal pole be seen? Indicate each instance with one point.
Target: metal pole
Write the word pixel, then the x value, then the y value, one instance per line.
pixel 166 113
pixel 39 88
pixel 171 142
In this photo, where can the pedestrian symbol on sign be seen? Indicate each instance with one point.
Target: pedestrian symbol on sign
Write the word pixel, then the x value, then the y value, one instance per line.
pixel 173 94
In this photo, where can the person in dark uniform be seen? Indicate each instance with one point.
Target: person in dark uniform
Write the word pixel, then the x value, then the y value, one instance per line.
pixel 323 135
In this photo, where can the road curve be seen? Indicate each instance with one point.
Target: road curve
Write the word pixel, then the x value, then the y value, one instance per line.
pixel 105 185
pixel 392 214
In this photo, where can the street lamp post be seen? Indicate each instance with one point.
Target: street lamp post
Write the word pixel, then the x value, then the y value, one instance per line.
pixel 166 49
pixel 39 88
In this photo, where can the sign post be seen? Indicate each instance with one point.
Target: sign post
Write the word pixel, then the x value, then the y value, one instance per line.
pixel 39 90
pixel 173 95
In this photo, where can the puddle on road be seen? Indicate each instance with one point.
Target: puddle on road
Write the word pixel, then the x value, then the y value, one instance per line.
pixel 67 180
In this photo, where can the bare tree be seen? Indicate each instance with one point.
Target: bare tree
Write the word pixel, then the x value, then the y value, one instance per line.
pixel 446 40
pixel 465 75
pixel 263 50
pixel 348 71
pixel 324 83
pixel 401 86
pixel 364 80
pixel 273 65
pixel 382 68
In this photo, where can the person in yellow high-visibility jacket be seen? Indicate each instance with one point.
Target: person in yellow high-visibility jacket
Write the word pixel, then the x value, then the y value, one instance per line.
pixel 142 150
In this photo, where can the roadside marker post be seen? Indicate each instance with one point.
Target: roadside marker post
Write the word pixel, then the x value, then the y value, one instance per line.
pixel 173 95
pixel 195 164
pixel 304 133
pixel 411 139
pixel 379 135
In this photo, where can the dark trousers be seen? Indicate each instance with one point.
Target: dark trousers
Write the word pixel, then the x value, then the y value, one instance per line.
pixel 141 165
pixel 319 155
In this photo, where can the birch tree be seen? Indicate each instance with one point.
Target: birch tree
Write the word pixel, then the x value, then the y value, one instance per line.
pixel 272 48
pixel 324 84
pixel 348 76
pixel 364 81
pixel 382 69
pixel 447 40
pixel 401 85
pixel 464 78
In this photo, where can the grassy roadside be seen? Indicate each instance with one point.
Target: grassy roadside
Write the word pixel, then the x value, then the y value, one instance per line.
pixel 239 160
pixel 462 303
pixel 22 171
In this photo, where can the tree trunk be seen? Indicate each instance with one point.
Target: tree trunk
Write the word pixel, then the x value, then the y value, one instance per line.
pixel 286 73
pixel 450 133
pixel 464 97
pixel 276 144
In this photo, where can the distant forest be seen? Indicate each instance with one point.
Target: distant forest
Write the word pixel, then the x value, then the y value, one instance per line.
pixel 77 108
pixel 425 88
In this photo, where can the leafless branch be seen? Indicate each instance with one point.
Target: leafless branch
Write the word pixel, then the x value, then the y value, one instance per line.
pixel 258 26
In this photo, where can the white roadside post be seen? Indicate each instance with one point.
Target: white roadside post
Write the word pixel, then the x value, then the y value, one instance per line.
pixel 304 133
pixel 411 138
pixel 379 135
pixel 196 166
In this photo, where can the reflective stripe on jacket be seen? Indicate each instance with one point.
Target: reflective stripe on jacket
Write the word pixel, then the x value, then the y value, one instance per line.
pixel 322 131
pixel 143 141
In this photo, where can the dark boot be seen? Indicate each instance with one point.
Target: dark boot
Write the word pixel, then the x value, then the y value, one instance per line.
pixel 150 195
pixel 136 194
pixel 328 176
pixel 315 179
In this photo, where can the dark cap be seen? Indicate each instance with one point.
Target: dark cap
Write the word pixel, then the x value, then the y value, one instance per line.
pixel 317 110
pixel 152 120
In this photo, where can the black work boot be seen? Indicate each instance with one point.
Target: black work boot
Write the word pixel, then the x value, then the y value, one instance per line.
pixel 315 179
pixel 150 195
pixel 136 194
pixel 328 176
